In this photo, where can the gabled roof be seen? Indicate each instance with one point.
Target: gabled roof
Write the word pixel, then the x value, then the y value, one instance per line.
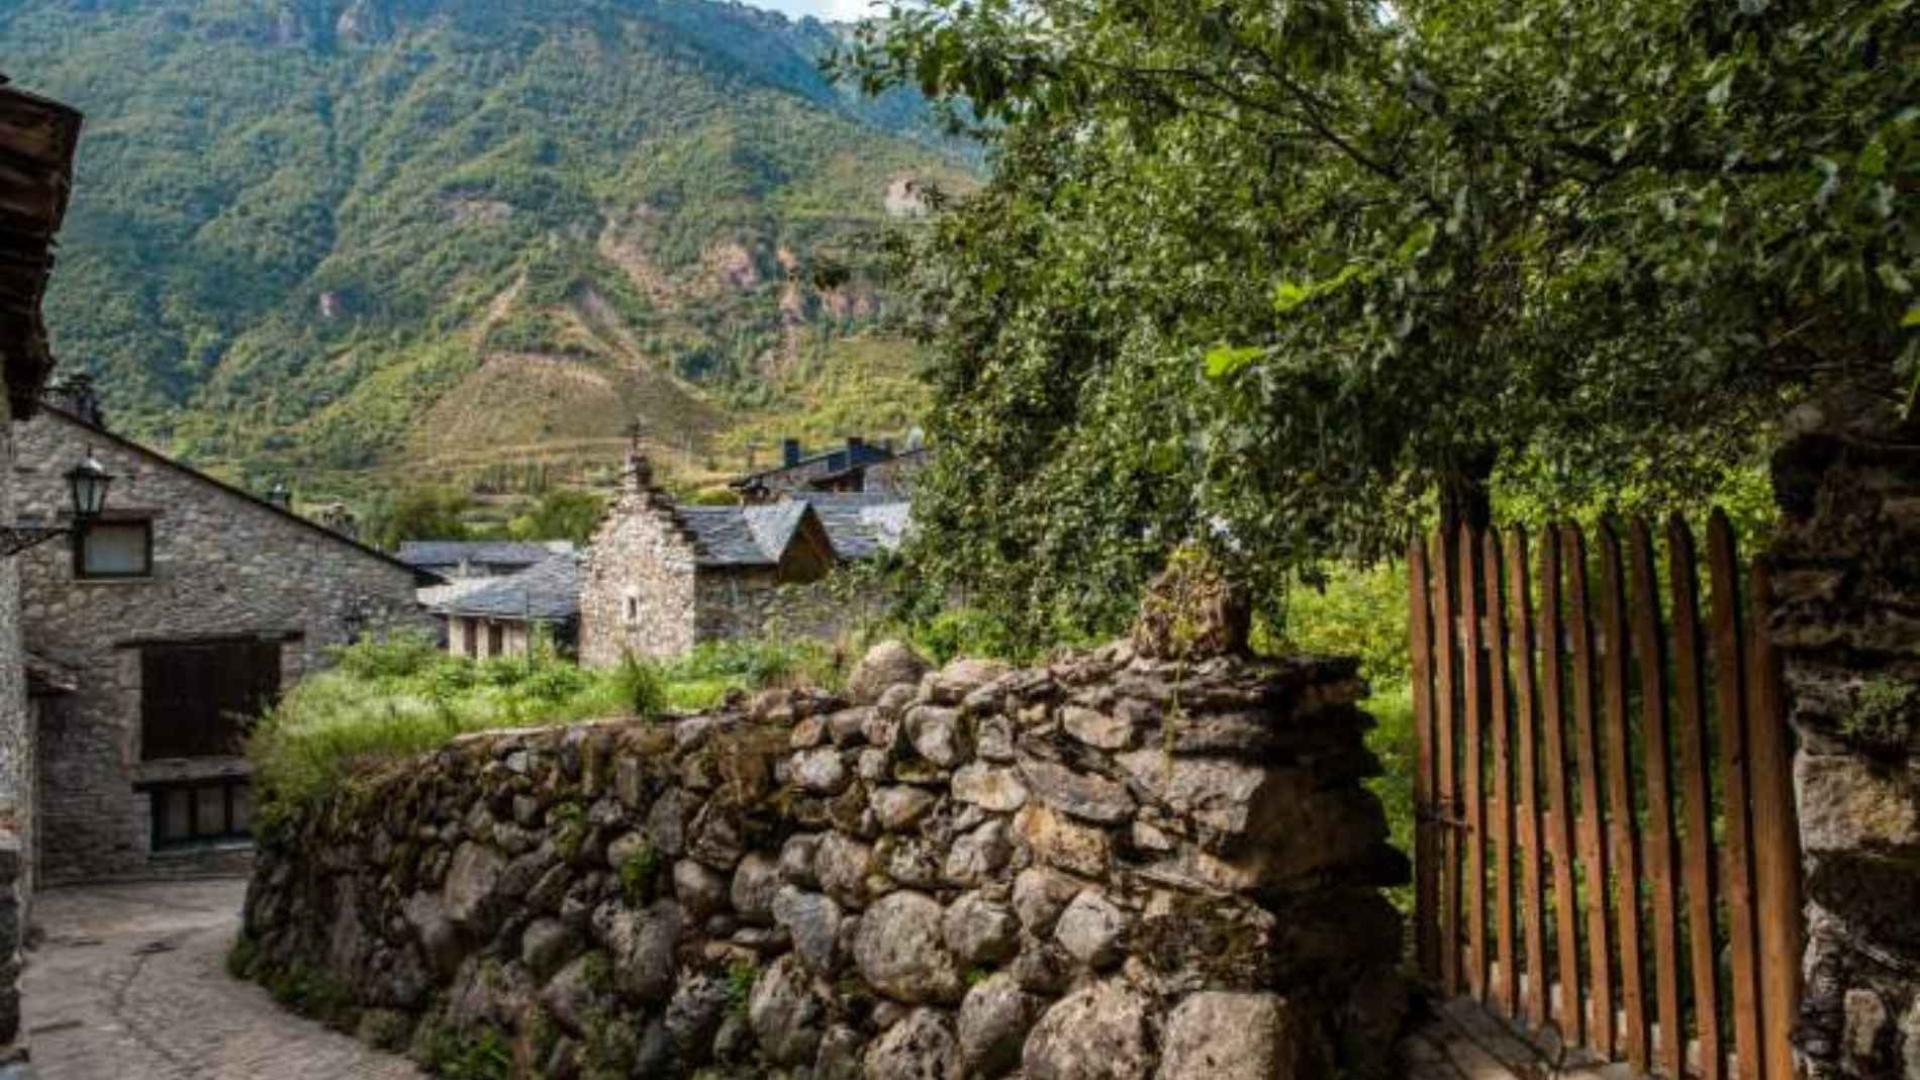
pixel 100 434
pixel 860 526
pixel 839 459
pixel 486 552
pixel 742 535
pixel 546 592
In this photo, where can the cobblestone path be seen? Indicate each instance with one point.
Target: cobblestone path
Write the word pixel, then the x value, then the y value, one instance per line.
pixel 130 983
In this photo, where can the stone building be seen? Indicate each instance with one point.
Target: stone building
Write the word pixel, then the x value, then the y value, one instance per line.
pixel 661 577
pixel 504 616
pixel 464 559
pixel 37 142
pixel 857 467
pixel 180 613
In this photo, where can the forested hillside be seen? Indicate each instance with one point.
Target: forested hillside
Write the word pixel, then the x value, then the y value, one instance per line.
pixel 462 237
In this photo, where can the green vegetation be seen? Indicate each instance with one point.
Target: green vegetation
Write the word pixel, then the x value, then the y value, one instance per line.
pixel 397 696
pixel 637 875
pixel 459 233
pixel 1296 283
pixel 741 976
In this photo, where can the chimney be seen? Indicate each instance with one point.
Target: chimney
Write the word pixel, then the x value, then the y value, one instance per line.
pixel 789 452
pixel 74 394
pixel 856 450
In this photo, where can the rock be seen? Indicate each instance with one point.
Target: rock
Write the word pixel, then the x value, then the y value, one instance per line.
pixel 842 865
pixel 1040 894
pixel 545 945
pixel 787 1015
pixel 896 700
pixel 890 663
pixel 1218 793
pixel 439 939
pixel 936 735
pixel 797 857
pixel 1097 729
pixel 755 881
pixel 813 921
pixel 848 726
pixel 951 684
pixel 994 1019
pixel 821 771
pixel 1846 804
pixel 1042 967
pixel 1865 1019
pixel 913 861
pixel 693 1015
pixel 808 733
pixel 642 945
pixel 715 837
pixel 899 951
pixel 701 890
pixel 1093 930
pixel 839 1056
pixel 979 931
pixel 920 1047
pixel 666 828
pixel 471 895
pixel 572 993
pixel 1057 840
pixel 1080 795
pixel 901 807
pixel 999 790
pixel 871 765
pixel 1097 1033
pixel 993 738
pixel 1226 1036
pixel 979 856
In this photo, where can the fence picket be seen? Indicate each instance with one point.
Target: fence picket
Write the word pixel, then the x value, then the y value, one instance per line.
pixel 1474 700
pixel 1527 802
pixel 1775 839
pixel 1426 883
pixel 1500 798
pixel 1658 849
pixel 1559 801
pixel 1622 819
pixel 1730 700
pixel 1691 728
pixel 1449 806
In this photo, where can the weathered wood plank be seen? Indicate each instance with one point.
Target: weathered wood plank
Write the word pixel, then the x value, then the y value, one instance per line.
pixel 1559 799
pixel 1500 796
pixel 1622 817
pixel 1527 803
pixel 1658 852
pixel 1593 849
pixel 1776 838
pixel 1730 706
pixel 1690 726
pixel 1473 759
pixel 1426 871
pixel 1446 719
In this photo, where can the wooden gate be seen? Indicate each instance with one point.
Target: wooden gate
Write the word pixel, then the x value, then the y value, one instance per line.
pixel 1605 845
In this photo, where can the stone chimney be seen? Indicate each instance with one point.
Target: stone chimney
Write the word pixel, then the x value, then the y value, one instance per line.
pixel 856 448
pixel 75 394
pixel 789 453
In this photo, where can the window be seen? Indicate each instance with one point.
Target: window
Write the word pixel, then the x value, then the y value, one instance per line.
pixel 496 639
pixel 199 700
pixel 190 812
pixel 469 636
pixel 115 549
pixel 633 609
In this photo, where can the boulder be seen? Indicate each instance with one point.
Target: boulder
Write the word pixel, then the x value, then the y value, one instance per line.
pixel 1081 795
pixel 899 950
pixel 890 663
pixel 821 771
pixel 937 735
pixel 951 684
pixel 813 922
pixel 1096 1033
pixel 1059 841
pixel 693 1015
pixel 545 945
pixel 994 1019
pixel 701 890
pixel 1097 729
pixel 755 882
pixel 1040 894
pixel 980 855
pixel 920 1047
pixel 1093 930
pixel 982 785
pixel 642 944
pixel 1226 1036
pixel 472 897
pixel 787 1013
pixel 842 865
pixel 980 931
pixel 901 806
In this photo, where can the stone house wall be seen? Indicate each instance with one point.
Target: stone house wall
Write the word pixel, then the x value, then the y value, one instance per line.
pixel 1846 621
pixel 470 636
pixel 1111 867
pixel 638 595
pixel 225 566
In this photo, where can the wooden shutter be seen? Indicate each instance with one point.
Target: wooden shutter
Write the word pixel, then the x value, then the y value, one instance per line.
pixel 199 700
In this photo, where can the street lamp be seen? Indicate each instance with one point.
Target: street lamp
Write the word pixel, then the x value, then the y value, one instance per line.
pixel 87 484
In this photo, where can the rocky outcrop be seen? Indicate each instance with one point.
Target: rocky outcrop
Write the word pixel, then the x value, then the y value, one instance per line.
pixel 1114 866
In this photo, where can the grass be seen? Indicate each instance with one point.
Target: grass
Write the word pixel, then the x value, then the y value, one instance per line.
pixel 399 696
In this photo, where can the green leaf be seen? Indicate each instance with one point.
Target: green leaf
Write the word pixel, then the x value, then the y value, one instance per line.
pixel 1416 243
pixel 1225 361
pixel 1289 295
pixel 1912 318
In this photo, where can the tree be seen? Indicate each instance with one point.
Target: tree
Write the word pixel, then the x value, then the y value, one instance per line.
pixel 1293 278
pixel 422 513
pixel 561 514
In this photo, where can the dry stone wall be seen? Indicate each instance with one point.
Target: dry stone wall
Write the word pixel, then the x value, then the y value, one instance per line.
pixel 1108 867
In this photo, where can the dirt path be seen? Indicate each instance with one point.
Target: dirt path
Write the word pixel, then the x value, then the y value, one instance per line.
pixel 130 983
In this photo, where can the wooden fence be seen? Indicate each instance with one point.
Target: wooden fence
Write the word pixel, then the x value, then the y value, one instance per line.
pixel 1605 845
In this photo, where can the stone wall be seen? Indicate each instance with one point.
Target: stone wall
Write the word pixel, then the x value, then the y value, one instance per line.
pixel 224 567
pixel 1847 622
pixel 1108 867
pixel 637 595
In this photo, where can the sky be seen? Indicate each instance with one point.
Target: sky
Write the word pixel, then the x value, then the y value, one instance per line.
pixel 819 9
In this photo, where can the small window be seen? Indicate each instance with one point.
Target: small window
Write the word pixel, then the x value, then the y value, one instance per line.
pixel 633 609
pixel 469 637
pixel 196 812
pixel 496 639
pixel 115 549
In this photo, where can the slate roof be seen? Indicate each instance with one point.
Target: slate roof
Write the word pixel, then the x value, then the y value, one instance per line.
pixel 859 525
pixel 742 535
pixel 485 552
pixel 546 592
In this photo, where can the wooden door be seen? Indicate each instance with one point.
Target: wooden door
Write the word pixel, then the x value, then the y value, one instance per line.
pixel 200 699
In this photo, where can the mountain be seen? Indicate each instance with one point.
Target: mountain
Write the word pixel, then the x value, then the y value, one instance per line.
pixel 469 240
